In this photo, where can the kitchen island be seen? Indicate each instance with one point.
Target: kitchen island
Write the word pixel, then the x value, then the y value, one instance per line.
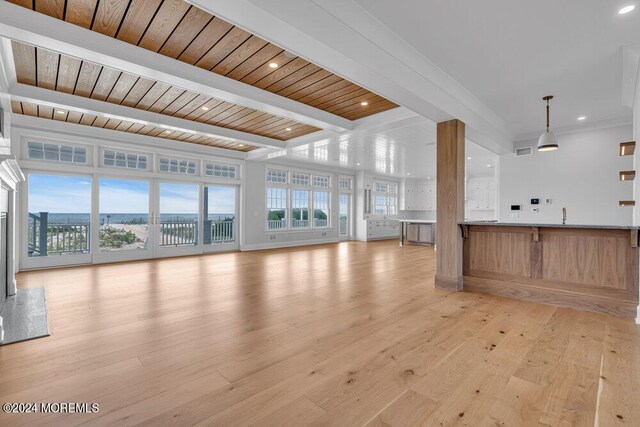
pixel 417 231
pixel 588 267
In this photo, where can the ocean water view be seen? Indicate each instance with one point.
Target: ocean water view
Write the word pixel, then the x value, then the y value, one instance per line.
pixel 128 218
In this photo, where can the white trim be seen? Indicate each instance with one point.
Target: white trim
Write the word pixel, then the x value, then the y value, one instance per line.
pixel 263 246
pixel 585 127
pixel 65 101
pixel 37 29
pixel 374 58
pixel 45 128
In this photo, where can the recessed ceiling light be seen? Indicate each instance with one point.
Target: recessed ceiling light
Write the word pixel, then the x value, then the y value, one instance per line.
pixel 408 173
pixel 358 164
pixel 205 108
pixel 364 103
pixel 428 177
pixel 582 118
pixel 626 9
pixel 273 65
pixel 60 112
pixel 288 129
pixel 489 166
pixel 468 158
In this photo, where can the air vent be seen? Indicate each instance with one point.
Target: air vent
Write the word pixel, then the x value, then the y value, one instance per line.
pixel 524 151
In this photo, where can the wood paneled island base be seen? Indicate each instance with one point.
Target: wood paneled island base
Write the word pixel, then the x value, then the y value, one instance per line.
pixel 584 267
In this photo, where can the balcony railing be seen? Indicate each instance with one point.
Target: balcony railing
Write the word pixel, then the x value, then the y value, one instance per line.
pixel 56 239
pixel 320 222
pixel 178 233
pixel 344 228
pixel 222 231
pixel 276 224
pixel 300 223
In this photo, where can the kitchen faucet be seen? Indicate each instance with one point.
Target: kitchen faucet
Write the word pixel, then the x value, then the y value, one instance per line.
pixel 564 216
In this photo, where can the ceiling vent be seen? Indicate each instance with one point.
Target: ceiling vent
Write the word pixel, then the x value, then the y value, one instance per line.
pixel 525 151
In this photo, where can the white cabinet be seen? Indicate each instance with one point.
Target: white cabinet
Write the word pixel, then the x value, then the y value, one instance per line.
pixel 419 195
pixel 382 229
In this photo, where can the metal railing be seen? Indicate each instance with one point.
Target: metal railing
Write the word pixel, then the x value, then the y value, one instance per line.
pixel 178 233
pixel 222 231
pixel 276 224
pixel 56 239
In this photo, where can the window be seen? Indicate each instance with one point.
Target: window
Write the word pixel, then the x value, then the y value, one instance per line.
pixel 321 181
pixel 300 178
pixel 344 183
pixel 300 208
pixel 277 176
pixel 292 204
pixel 57 153
pixel 320 208
pixel 221 170
pixel 171 165
pixel 385 198
pixel 276 208
pixel 119 159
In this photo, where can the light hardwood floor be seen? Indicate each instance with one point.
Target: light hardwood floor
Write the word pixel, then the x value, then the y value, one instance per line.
pixel 347 334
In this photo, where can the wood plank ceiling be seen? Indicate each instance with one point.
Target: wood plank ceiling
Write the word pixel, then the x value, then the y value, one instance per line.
pixel 176 29
pixel 50 70
pixel 47 112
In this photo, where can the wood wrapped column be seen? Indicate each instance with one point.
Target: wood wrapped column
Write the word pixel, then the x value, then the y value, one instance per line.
pixel 450 201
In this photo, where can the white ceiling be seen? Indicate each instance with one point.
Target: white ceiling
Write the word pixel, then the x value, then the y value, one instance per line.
pixel 511 53
pixel 404 151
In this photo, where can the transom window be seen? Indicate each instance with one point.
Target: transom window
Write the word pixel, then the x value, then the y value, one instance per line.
pixel 57 153
pixel 321 181
pixel 221 170
pixel 344 183
pixel 172 165
pixel 300 178
pixel 120 159
pixel 277 176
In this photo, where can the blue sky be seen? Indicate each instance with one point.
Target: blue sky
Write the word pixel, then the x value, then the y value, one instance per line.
pixel 69 194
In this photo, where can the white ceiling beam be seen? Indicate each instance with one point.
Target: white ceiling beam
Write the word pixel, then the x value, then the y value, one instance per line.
pixel 343 38
pixel 19 23
pixel 65 101
pixel 72 132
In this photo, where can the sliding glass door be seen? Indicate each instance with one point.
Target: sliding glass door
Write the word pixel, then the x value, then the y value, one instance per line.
pixel 58 220
pixel 124 231
pixel 220 227
pixel 82 219
pixel 177 221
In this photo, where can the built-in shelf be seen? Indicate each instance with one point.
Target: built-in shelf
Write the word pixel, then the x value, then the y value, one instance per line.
pixel 627 175
pixel 627 148
pixel 627 203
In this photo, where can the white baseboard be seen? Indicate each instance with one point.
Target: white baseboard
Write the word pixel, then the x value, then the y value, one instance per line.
pixel 277 245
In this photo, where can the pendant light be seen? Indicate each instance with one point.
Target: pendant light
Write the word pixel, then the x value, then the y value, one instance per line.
pixel 547 141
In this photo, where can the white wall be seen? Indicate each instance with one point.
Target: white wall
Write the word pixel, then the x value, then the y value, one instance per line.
pixel 582 175
pixel 254 233
pixel 481 194
pixel 636 157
